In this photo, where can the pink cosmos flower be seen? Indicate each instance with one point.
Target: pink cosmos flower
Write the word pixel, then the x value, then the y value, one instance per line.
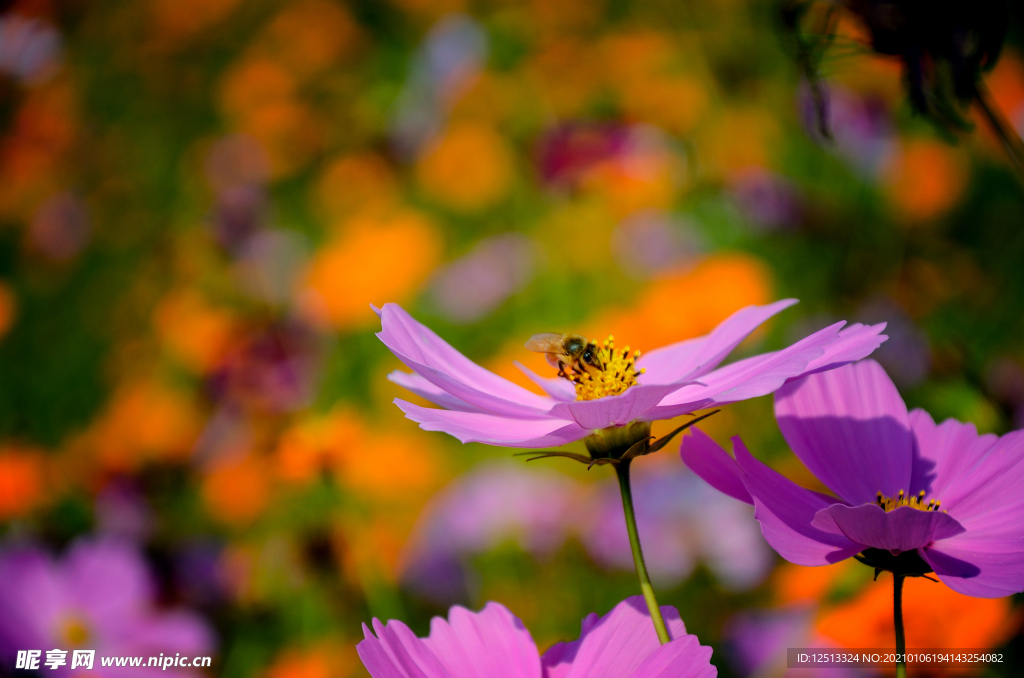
pixel 480 406
pixel 100 597
pixel 912 495
pixel 494 643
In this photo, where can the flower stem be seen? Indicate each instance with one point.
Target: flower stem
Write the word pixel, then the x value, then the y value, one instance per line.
pixel 897 615
pixel 622 470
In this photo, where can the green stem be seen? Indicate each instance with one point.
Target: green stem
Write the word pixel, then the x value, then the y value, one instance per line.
pixel 897 615
pixel 622 470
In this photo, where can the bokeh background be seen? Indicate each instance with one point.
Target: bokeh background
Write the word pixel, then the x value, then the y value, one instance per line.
pixel 199 198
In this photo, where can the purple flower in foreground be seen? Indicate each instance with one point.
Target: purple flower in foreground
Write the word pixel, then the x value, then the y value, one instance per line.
pixel 480 406
pixel 902 483
pixel 98 597
pixel 494 643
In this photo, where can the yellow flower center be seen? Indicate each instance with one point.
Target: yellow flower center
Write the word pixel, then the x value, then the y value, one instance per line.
pixel 914 502
pixel 619 372
pixel 74 631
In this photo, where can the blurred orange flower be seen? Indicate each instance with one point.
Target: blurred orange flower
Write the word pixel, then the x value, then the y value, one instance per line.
pixel 8 308
pixel 290 133
pixel 390 466
pixel 375 545
pixel 689 304
pixel 1006 81
pixel 376 259
pixel 925 179
pixel 175 20
pixel 865 71
pixel 22 481
pixel 646 70
pixel 377 464
pixel 565 16
pixel 935 616
pixel 567 75
pixel 468 168
pixel 145 421
pixel 357 182
pixel 309 35
pixel 258 96
pixel 314 445
pixel 236 491
pixel 735 140
pixel 253 83
pixel 324 660
pixel 645 177
pixel 30 156
pixel 798 584
pixel 431 9
pixel 194 331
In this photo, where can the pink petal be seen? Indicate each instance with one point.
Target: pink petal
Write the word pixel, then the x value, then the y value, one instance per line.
pixel 977 478
pixel 557 387
pixel 749 378
pixel 850 427
pixel 492 643
pixel 396 652
pixel 614 645
pixel 33 595
pixel 853 343
pixel 978 566
pixel 903 529
pixel 786 512
pixel 692 358
pixel 108 578
pixel 617 410
pixel 681 658
pixel 167 632
pixel 476 427
pixel 714 465
pixel 426 390
pixel 436 361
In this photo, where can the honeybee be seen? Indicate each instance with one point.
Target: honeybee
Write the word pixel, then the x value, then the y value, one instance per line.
pixel 566 351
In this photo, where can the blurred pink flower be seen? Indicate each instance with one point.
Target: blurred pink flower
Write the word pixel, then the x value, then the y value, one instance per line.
pixel 862 130
pixel 60 226
pixel 273 368
pixel 492 504
pixel 756 643
pixel 680 518
pixel 30 50
pixel 650 243
pixel 567 152
pixel 494 643
pixel 100 597
pixel 451 56
pixel 472 286
pixel 765 199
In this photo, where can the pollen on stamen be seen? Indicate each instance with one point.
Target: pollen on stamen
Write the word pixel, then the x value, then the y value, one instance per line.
pixel 915 502
pixel 619 372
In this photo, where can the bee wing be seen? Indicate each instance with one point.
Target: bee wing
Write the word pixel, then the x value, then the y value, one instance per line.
pixel 546 342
